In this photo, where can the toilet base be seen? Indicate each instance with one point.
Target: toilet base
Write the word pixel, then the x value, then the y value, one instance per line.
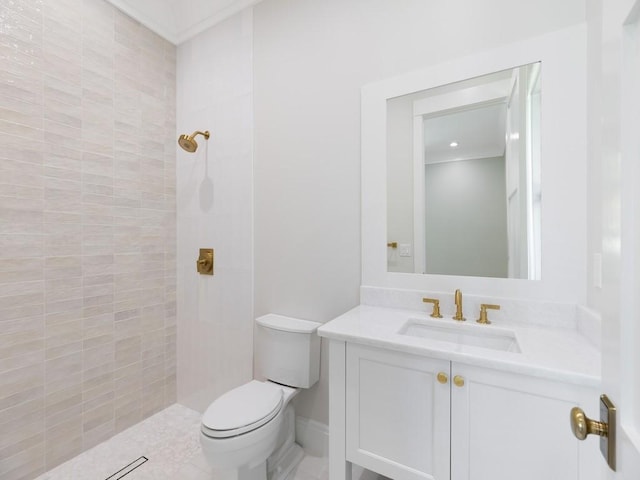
pixel 282 469
pixel 287 456
pixel 287 463
pixel 280 464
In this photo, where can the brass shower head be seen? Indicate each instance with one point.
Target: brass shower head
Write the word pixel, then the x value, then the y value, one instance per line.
pixel 188 142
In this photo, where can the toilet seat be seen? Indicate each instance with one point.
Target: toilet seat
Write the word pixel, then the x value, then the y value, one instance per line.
pixel 242 409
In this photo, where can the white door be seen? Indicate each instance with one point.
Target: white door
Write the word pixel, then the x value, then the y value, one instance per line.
pixel 620 151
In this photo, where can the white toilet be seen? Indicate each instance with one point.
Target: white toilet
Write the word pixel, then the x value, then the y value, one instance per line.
pixel 251 429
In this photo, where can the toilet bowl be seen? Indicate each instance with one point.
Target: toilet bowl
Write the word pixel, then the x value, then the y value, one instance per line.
pixel 250 430
pixel 242 428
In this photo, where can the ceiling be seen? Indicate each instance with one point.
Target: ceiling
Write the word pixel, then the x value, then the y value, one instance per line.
pixel 478 131
pixel 180 20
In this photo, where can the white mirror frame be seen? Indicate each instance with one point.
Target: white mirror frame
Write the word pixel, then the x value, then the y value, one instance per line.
pixel 563 168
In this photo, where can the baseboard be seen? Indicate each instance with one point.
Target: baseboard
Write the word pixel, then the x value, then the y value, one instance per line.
pixel 312 436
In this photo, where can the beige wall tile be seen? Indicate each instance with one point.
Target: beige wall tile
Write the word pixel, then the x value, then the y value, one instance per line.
pixel 81 318
pixel 22 359
pixel 22 445
pixel 128 351
pixel 63 405
pixel 128 410
pixel 14 382
pixel 98 434
pixel 23 464
pixel 64 440
pixel 65 449
pixel 12 419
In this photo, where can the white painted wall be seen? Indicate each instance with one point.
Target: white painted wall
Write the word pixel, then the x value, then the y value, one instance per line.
pixel 214 196
pixel 310 60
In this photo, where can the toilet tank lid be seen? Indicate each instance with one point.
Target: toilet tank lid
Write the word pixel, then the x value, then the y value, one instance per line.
pixel 287 324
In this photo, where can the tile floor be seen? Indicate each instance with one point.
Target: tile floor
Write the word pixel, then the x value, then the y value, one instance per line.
pixel 170 440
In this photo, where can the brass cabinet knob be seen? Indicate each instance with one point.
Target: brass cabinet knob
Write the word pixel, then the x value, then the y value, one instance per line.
pixel 458 381
pixel 442 377
pixel 581 425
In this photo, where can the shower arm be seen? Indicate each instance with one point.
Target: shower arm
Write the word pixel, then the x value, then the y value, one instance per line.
pixel 205 134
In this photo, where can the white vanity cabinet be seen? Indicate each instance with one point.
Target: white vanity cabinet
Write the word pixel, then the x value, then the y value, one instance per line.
pixel 397 413
pixel 405 422
pixel 506 426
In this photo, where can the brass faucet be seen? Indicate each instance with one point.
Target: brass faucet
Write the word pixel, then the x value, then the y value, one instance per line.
pixel 458 299
pixel 436 306
pixel 483 312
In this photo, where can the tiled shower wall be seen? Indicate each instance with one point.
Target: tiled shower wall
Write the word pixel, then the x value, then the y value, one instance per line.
pixel 87 229
pixel 215 210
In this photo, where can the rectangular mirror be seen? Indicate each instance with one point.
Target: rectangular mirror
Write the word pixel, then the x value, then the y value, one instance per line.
pixel 562 177
pixel 463 177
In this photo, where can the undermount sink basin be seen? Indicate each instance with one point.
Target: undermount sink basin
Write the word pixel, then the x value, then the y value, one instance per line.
pixel 484 336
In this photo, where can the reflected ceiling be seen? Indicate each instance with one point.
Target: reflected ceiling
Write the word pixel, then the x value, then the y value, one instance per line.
pixel 477 133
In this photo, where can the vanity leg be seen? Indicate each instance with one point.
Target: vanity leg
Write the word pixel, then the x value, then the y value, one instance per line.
pixel 339 468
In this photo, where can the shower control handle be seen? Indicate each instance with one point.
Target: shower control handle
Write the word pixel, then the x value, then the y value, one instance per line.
pixel 204 264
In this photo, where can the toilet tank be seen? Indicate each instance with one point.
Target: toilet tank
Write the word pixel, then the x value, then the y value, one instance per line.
pixel 288 350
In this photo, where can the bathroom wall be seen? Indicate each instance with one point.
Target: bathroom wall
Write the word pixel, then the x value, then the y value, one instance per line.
pixel 215 204
pixel 87 229
pixel 310 60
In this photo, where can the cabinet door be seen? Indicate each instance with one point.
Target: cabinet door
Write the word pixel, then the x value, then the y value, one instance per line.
pixel 397 414
pixel 506 426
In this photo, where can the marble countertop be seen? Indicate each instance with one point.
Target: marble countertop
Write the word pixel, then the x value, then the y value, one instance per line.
pixel 561 354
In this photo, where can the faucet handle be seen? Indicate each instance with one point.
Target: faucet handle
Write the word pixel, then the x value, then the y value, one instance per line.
pixel 436 306
pixel 483 312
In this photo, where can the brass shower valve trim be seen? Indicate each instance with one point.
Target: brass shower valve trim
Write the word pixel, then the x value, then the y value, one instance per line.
pixel 204 265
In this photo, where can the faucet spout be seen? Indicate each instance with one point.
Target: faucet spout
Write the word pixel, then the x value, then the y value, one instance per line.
pixel 458 300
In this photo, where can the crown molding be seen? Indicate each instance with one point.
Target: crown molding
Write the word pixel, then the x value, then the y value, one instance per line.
pixel 161 16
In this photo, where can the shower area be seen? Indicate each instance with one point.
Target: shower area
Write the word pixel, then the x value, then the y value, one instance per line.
pixel 104 320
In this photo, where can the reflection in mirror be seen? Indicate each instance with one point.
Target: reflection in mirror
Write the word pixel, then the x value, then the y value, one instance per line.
pixel 463 177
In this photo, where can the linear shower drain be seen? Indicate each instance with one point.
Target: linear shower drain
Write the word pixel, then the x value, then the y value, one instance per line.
pixel 128 468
